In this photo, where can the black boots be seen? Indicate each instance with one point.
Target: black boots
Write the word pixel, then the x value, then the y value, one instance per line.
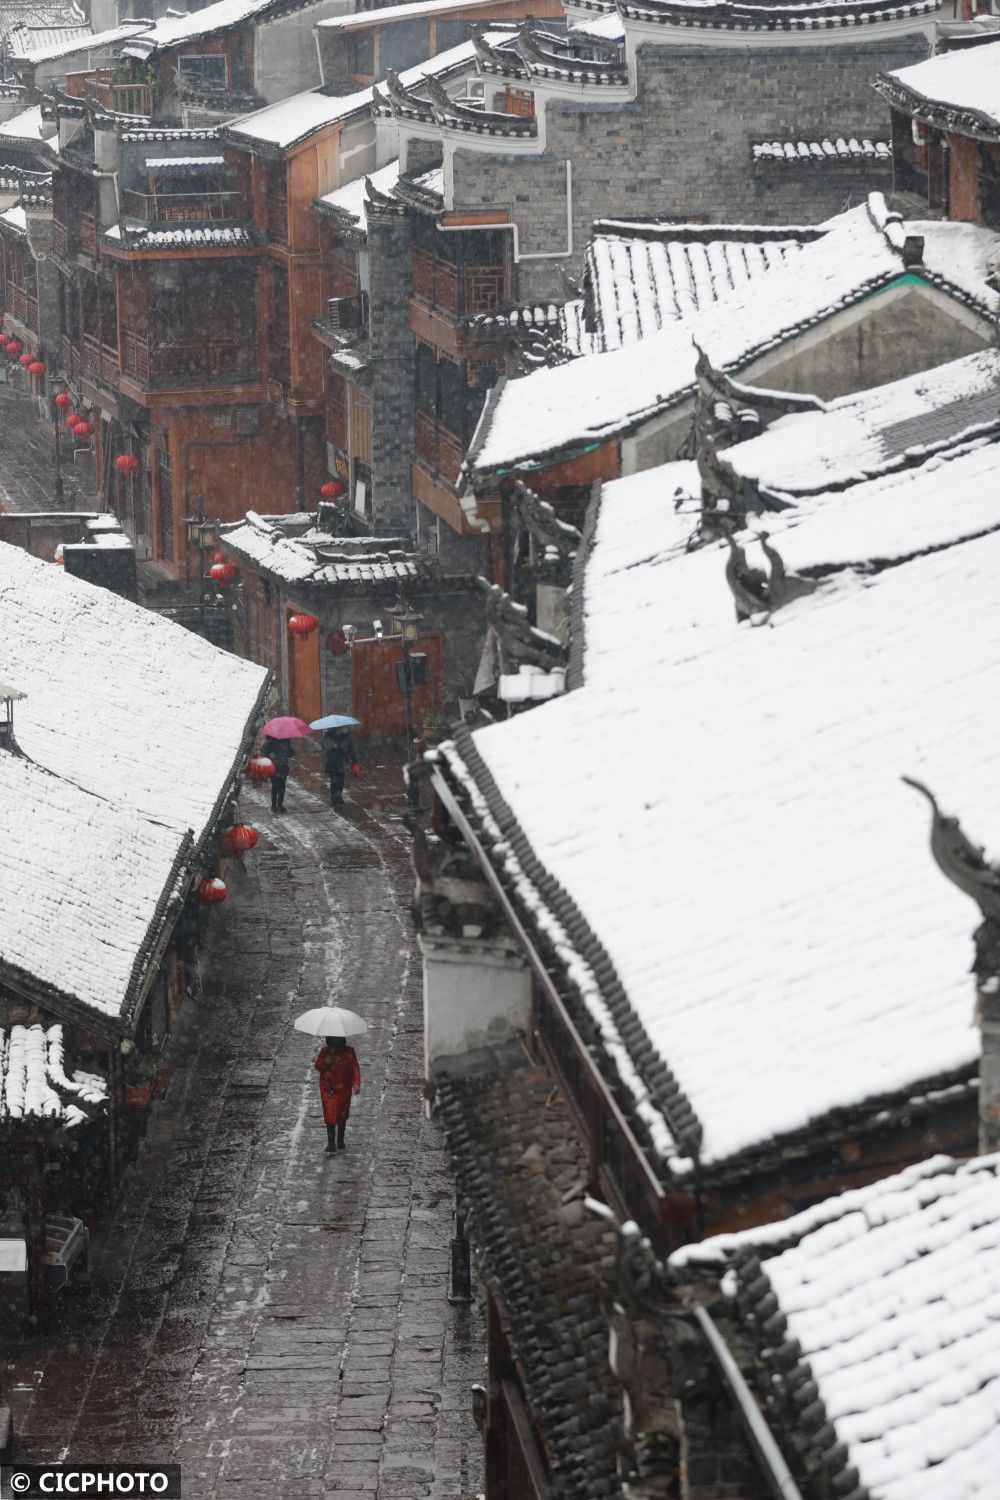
pixel 331 1138
pixel 340 1137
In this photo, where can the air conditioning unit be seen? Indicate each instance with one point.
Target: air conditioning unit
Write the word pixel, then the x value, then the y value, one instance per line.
pixel 347 314
pixel 920 133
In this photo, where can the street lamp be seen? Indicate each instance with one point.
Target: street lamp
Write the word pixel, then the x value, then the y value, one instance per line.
pixel 410 672
pixel 205 536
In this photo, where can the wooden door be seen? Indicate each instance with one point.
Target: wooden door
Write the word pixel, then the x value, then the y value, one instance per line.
pixel 376 698
pixel 303 673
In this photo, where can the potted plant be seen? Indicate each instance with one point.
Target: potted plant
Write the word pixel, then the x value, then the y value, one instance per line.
pixel 435 726
pixel 459 690
pixel 140 1081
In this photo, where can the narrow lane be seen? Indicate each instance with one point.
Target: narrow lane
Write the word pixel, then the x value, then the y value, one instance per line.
pixel 270 1317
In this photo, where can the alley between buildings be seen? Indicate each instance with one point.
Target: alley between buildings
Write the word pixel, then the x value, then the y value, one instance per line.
pixel 272 1318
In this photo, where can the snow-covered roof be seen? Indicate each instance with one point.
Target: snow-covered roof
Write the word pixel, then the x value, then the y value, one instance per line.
pixel 29 126
pixel 891 1294
pixel 81 882
pixel 90 42
pixel 292 120
pixel 16 219
pixel 28 41
pixel 217 236
pixel 600 396
pixel 314 556
pixel 642 280
pixel 822 153
pixel 959 88
pixel 184 163
pixel 873 431
pixel 772 877
pixel 352 197
pixel 34 1081
pixel 385 15
pixel 132 731
pixel 172 700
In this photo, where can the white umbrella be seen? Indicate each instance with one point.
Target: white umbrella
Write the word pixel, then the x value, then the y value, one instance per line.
pixel 331 1020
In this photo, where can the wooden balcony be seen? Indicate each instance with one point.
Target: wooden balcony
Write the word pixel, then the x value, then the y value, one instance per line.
pixel 193 362
pixel 438 450
pixel 23 305
pixel 184 208
pixel 100 362
pixel 461 291
pixel 122 98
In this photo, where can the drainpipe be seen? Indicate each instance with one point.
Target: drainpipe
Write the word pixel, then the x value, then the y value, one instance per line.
pixel 766 1451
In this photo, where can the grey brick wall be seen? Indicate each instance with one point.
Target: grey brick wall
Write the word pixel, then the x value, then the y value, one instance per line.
pixel 682 148
pixel 393 382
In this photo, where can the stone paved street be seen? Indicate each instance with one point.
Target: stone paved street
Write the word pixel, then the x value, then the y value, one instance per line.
pixel 27 469
pixel 272 1318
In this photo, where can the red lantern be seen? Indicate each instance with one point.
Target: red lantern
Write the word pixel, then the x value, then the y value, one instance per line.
pixel 222 573
pixel 4 340
pixel 302 624
pixel 211 890
pixel 13 347
pixel 337 643
pixel 259 768
pixel 26 360
pixel 83 428
pixel 239 838
pixel 219 556
pixel 37 367
pixel 127 463
pixel 63 401
pixel 331 489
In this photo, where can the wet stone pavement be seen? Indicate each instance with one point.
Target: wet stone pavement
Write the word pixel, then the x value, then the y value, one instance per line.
pixel 27 462
pixel 272 1318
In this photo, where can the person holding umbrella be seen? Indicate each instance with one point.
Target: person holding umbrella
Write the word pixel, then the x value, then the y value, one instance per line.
pixel 337 1065
pixel 339 1078
pixel 279 734
pixel 339 753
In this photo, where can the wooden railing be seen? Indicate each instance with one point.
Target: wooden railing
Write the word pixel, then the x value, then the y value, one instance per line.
pixel 187 362
pixel 462 291
pixel 100 361
pixel 123 98
pixel 170 208
pixel 439 450
pixel 72 363
pixel 23 306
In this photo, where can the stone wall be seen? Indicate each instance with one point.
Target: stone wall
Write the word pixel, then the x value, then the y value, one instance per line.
pixel 393 401
pixel 681 149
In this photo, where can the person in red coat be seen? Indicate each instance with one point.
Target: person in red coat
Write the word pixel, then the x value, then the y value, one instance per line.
pixel 339 1078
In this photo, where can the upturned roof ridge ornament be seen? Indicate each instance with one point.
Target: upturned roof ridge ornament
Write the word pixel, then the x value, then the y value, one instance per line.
pixel 967 867
pixel 544 525
pixel 757 592
pixel 521 644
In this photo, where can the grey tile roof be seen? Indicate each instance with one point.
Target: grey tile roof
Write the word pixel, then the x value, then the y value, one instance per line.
pixel 521 1172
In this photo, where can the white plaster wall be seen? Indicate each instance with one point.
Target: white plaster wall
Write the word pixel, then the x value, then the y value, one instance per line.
pixel 469 1003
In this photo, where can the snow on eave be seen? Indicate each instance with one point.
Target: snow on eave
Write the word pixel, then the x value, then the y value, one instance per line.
pixel 292 121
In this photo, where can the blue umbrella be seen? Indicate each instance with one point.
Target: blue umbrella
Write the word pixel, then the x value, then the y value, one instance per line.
pixel 334 721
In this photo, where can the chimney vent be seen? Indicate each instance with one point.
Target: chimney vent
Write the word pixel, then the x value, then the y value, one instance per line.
pixel 8 697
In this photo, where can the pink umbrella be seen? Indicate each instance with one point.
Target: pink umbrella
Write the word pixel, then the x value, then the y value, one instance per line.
pixel 287 727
